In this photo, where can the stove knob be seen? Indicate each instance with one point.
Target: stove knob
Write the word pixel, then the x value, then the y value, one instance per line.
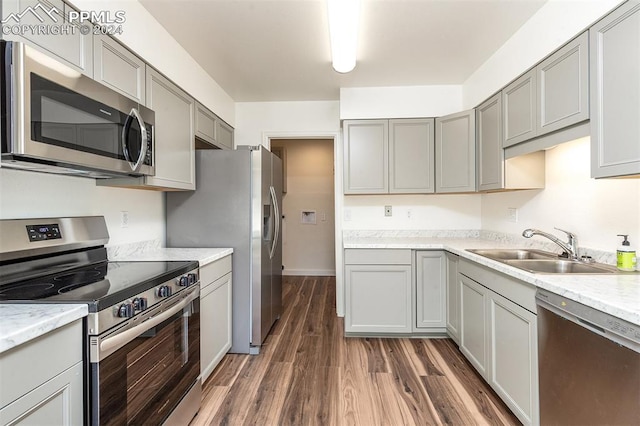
pixel 140 303
pixel 193 278
pixel 183 281
pixel 164 291
pixel 125 310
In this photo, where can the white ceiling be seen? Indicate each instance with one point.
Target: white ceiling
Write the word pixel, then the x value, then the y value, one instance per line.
pixel 279 50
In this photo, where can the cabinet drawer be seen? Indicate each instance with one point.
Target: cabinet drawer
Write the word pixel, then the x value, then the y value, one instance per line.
pixel 213 271
pixel 377 257
pixel 27 366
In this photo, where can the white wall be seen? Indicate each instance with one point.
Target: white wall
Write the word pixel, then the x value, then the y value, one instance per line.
pixel 148 39
pixel 555 23
pixel 308 249
pixel 399 102
pixel 595 210
pixel 412 212
pixel 30 195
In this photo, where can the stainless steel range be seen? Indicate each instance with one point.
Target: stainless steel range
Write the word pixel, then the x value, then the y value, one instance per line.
pixel 143 329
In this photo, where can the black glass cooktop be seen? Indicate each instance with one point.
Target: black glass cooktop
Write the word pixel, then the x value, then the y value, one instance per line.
pixel 99 285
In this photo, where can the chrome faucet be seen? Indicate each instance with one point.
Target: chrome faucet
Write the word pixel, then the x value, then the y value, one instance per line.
pixel 570 247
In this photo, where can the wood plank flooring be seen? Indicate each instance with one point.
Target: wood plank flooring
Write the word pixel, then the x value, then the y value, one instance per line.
pixel 308 373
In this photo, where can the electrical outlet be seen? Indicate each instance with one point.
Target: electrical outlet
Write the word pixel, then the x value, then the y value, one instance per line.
pixel 347 215
pixel 124 219
pixel 409 213
pixel 388 211
pixel 512 214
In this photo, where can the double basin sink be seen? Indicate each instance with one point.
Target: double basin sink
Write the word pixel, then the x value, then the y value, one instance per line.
pixel 543 262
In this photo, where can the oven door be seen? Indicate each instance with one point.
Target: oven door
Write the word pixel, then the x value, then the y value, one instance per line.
pixel 142 371
pixel 59 117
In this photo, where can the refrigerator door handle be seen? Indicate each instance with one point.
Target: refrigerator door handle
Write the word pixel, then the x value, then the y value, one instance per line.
pixel 276 220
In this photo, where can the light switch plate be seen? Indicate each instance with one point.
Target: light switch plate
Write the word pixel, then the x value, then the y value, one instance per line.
pixel 388 211
pixel 512 214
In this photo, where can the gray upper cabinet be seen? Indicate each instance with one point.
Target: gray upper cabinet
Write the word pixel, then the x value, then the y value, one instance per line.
pixel 615 93
pixel 411 161
pixel 490 152
pixel 495 173
pixel 456 152
pixel 205 124
pixel 224 134
pixel 563 86
pixel 73 49
pixel 366 156
pixel 116 67
pixel 519 103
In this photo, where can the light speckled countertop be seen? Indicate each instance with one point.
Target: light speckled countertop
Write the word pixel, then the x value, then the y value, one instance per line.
pixel 616 294
pixel 203 255
pixel 20 323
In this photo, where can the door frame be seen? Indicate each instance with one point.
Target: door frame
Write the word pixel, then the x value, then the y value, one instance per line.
pixel 337 193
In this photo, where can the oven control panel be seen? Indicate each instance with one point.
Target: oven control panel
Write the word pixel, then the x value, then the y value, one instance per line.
pixel 44 232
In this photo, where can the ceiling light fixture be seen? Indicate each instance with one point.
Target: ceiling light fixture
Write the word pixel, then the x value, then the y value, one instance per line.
pixel 344 16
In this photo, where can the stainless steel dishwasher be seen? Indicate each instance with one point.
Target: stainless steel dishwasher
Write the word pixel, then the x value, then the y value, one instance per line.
pixel 589 365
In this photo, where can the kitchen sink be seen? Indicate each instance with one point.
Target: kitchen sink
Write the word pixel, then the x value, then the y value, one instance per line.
pixel 509 254
pixel 561 266
pixel 543 262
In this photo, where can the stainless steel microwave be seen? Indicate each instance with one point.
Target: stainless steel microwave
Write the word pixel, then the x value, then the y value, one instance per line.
pixel 57 120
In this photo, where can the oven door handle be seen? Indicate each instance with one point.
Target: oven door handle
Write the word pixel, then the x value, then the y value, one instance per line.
pixel 111 344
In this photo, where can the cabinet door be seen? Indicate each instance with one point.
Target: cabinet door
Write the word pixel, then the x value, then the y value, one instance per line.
pixel 378 298
pixel 174 134
pixel 411 161
pixel 205 124
pixel 69 45
pixel 224 134
pixel 519 104
pixel 563 86
pixel 58 401
pixel 366 156
pixel 431 273
pixel 215 324
pixel 453 298
pixel 490 151
pixel 615 93
pixel 116 67
pixel 514 357
pixel 474 335
pixel 456 152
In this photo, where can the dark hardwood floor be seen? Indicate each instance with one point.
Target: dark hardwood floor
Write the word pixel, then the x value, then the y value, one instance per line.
pixel 308 373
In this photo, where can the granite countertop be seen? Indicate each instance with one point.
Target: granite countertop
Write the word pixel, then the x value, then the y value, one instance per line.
pixel 20 323
pixel 616 294
pixel 204 256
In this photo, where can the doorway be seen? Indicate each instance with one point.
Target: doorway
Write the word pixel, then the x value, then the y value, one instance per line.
pixel 308 227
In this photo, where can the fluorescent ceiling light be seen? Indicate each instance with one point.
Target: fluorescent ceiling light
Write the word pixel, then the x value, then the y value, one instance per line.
pixel 343 27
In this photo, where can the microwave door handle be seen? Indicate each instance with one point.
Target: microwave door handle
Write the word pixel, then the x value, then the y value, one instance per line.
pixel 135 167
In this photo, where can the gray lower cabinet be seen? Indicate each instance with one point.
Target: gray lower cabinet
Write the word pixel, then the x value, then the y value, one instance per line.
pixel 455 152
pixel 215 314
pixel 388 156
pixel 69 46
pixel 499 336
pixel 431 292
pixel 496 173
pixel 378 291
pixel 42 380
pixel 615 93
pixel 519 103
pixel 118 68
pixel 453 298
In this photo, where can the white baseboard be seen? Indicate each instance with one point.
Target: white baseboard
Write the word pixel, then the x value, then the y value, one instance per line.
pixel 310 272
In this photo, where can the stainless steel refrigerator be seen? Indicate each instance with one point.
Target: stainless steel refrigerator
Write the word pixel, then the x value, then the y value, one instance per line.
pixel 237 203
